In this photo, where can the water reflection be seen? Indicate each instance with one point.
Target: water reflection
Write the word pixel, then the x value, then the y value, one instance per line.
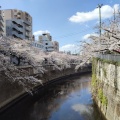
pixel 68 100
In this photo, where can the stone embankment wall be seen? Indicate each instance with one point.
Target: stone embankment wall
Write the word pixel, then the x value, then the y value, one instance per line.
pixel 9 91
pixel 106 87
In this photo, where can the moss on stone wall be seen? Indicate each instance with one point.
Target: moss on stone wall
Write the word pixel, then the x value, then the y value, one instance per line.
pixel 94 80
pixel 103 99
pixel 100 95
pixel 97 85
pixel 105 87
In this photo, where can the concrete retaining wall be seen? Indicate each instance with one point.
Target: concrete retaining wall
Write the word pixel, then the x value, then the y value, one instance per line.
pixel 106 87
pixel 10 91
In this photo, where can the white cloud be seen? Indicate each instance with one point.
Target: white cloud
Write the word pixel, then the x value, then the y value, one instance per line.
pixel 106 12
pixel 37 33
pixel 85 37
pixel 116 8
pixel 82 109
pixel 40 32
pixel 70 47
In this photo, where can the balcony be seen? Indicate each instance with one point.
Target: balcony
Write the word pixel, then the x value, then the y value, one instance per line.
pixel 1 33
pixel 2 22
pixel 18 22
pixel 1 18
pixel 1 26
pixel 28 28
pixel 27 34
pixel 1 29
pixel 17 28
pixel 15 33
pixel 18 16
pixel 27 22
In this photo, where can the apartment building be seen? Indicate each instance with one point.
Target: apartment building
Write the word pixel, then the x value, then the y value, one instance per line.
pixel 17 24
pixel 1 24
pixel 38 45
pixel 49 45
pixel 55 45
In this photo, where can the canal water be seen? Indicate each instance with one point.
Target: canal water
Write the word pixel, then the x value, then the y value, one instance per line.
pixel 67 100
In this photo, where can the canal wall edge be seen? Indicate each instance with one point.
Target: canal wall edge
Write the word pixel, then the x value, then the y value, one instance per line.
pixel 12 93
pixel 106 87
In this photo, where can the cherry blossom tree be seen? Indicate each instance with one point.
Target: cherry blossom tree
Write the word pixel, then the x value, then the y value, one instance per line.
pixel 108 41
pixel 28 55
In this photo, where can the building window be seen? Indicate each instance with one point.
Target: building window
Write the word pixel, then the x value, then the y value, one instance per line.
pixel 46 43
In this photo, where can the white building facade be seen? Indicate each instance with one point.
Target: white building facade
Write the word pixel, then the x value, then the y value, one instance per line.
pixel 38 45
pixel 48 45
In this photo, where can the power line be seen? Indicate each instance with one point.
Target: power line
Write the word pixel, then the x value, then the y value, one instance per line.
pixel 72 34
pixel 84 30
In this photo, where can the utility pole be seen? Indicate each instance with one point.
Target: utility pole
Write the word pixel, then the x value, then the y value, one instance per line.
pixel 99 7
pixel 114 15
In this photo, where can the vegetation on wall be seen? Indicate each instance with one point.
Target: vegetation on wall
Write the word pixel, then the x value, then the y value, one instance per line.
pixel 100 94
pixel 102 97
pixel 94 80
pixel 97 85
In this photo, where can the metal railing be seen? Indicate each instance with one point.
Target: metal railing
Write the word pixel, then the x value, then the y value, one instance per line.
pixel 109 57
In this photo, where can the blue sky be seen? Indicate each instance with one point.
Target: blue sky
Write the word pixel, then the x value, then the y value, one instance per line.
pixel 68 21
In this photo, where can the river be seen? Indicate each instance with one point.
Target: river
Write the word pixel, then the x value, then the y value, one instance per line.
pixel 67 100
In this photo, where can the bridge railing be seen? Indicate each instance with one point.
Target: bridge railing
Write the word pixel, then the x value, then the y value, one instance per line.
pixel 109 57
